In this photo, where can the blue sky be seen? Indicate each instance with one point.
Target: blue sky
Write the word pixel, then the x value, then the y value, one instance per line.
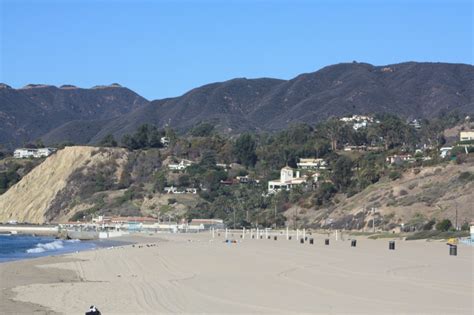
pixel 165 48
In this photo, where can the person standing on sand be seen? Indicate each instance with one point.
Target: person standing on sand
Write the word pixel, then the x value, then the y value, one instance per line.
pixel 93 311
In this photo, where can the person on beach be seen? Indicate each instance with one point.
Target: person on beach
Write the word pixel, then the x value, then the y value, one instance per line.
pixel 93 311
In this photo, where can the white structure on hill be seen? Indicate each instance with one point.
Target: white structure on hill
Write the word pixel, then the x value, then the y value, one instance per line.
pixel 180 166
pixel 466 135
pixel 358 121
pixel 286 181
pixel 23 153
pixel 308 164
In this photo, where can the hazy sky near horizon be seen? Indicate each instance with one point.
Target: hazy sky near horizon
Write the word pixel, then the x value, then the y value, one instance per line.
pixel 164 48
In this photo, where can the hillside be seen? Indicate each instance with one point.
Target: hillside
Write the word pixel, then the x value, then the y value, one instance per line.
pixel 412 90
pixel 36 198
pixel 85 116
pixel 419 195
pixel 29 113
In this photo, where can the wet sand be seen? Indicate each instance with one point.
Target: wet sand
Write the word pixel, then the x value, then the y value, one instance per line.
pixel 198 274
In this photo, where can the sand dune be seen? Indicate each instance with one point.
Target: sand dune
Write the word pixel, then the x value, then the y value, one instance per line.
pixel 195 274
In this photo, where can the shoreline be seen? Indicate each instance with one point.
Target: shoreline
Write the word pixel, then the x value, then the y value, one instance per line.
pixel 197 274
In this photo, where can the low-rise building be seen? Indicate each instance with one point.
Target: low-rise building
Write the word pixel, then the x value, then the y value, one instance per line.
pixel 206 224
pixel 445 151
pixel 466 136
pixel 182 165
pixel 399 158
pixel 23 153
pixel 287 180
pixel 358 121
pixel 165 141
pixel 311 163
pixel 176 190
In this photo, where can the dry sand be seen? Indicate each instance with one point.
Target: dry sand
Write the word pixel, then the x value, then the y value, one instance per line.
pixel 195 274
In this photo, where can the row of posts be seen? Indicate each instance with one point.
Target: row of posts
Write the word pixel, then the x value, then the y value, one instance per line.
pixel 259 234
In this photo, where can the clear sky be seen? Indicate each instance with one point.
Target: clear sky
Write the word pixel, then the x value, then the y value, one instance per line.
pixel 165 48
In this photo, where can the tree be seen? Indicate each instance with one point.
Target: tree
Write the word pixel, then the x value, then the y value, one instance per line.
pixel 444 225
pixel 108 141
pixel 334 130
pixel 129 142
pixel 244 150
pixel 342 172
pixel 202 130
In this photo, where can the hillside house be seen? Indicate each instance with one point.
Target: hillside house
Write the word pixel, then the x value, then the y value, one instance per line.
pixel 165 141
pixel 358 121
pixel 247 180
pixel 180 166
pixel 398 159
pixel 466 136
pixel 23 153
pixel 358 148
pixel 176 190
pixel 311 164
pixel 287 180
pixel 445 151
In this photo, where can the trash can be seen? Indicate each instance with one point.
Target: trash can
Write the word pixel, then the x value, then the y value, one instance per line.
pixel 289 238
pixel 391 245
pixel 353 243
pixel 275 238
pixel 311 241
pixel 269 237
pixel 305 238
pixel 253 236
pixel 302 240
pixel 326 241
pixel 453 250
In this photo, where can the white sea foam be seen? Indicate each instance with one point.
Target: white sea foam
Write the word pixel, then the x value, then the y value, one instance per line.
pixel 40 248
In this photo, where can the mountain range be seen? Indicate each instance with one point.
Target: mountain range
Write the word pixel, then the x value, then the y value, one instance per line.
pixel 85 116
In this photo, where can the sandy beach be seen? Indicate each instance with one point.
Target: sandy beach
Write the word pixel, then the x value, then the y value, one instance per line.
pixel 198 274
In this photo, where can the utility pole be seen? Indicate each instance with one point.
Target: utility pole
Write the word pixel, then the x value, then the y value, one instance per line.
pixel 456 224
pixel 234 218
pixel 275 216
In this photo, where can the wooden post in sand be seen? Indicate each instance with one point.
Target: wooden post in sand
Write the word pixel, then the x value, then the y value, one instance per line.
pixel 212 232
pixel 226 233
pixel 266 232
pixel 297 234
pixel 243 232
pixel 257 232
pixel 287 235
pixel 336 235
pixel 304 234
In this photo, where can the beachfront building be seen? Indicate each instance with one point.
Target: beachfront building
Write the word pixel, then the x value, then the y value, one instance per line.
pixel 288 179
pixel 466 136
pixel 312 164
pixel 25 153
pixel 206 224
pixel 180 166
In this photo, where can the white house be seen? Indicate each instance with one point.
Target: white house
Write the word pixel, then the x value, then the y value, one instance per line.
pixel 287 180
pixel 466 135
pixel 180 166
pixel 307 164
pixel 23 153
pixel 165 141
pixel 358 121
pixel 397 159
pixel 444 151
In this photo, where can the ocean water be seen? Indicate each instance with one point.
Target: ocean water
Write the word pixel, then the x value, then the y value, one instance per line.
pixel 16 247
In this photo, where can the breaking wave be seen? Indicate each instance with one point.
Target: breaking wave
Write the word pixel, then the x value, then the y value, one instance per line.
pixel 40 247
